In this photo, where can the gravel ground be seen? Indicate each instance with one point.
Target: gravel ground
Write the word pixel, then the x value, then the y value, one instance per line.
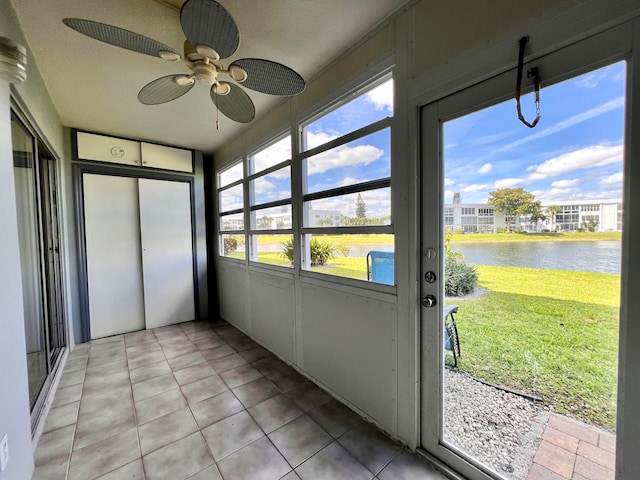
pixel 499 428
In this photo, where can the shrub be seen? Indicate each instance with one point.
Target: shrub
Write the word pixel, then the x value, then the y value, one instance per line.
pixel 460 278
pixel 501 230
pixel 321 251
pixel 230 245
pixel 287 251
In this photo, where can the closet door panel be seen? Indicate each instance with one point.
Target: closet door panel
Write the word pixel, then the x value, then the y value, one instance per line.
pixel 114 263
pixel 167 252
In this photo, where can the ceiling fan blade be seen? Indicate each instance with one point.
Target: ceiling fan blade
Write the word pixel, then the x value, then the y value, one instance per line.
pixel 118 36
pixel 236 105
pixel 270 77
pixel 163 90
pixel 206 22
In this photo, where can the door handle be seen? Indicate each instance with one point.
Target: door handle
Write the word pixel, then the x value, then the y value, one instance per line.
pixel 429 301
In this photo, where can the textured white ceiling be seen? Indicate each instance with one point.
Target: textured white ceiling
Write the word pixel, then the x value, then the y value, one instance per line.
pixel 94 86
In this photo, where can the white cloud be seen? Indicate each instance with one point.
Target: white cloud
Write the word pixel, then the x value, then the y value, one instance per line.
pixel 262 185
pixel 589 157
pixel 486 168
pixel 591 80
pixel 507 182
pixel 382 96
pixel 350 181
pixel 565 183
pixel 448 182
pixel 569 122
pixel 475 187
pixel 612 180
pixel 231 199
pixel 343 156
pixel 315 139
pixel 272 155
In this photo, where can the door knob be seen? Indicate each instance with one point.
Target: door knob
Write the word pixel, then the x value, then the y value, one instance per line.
pixel 429 301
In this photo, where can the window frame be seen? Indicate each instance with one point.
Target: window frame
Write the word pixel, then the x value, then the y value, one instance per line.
pixel 298 178
pixel 222 213
pixel 252 230
pixel 306 232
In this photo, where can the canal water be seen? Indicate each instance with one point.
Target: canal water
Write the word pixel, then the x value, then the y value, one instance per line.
pixel 591 256
pixel 602 257
pixel 598 256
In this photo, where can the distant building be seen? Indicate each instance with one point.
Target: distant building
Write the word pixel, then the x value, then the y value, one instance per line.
pixel 324 218
pixel 601 216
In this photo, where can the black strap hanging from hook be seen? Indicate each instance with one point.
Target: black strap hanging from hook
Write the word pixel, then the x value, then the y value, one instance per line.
pixel 532 72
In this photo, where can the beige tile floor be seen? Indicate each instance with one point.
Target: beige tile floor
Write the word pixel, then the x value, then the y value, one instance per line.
pixel 202 401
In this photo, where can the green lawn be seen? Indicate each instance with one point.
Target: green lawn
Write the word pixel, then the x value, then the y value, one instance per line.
pixel 545 332
pixel 550 333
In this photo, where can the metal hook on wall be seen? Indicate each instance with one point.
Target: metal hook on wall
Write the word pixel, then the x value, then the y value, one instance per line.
pixel 532 72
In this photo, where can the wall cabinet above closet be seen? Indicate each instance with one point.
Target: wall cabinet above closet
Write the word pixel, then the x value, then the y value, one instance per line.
pixel 130 152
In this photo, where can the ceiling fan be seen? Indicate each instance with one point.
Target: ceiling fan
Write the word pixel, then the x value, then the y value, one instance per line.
pixel 212 35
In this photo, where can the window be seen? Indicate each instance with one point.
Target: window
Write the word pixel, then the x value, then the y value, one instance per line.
pixel 448 218
pixel 346 182
pixel 344 210
pixel 590 208
pixel 270 229
pixel 231 211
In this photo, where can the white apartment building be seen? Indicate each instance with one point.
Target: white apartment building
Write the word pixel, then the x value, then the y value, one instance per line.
pixel 600 215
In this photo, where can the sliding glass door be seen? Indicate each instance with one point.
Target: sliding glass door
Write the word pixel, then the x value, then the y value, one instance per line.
pixel 38 231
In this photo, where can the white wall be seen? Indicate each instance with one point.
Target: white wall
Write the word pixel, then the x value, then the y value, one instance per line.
pixel 15 420
pixel 14 390
pixel 362 344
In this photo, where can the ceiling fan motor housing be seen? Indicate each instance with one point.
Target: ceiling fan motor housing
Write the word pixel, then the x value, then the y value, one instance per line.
pixel 205 73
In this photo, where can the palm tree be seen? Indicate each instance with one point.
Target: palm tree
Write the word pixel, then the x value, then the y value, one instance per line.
pixel 552 210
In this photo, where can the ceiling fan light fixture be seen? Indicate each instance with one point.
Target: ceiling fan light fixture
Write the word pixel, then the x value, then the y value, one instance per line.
pixel 169 56
pixel 205 73
pixel 184 79
pixel 221 88
pixel 237 73
pixel 208 52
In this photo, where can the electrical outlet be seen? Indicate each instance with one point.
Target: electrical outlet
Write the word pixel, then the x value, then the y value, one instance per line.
pixel 4 452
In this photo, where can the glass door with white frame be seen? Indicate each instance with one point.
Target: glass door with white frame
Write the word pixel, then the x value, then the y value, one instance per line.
pixel 529 225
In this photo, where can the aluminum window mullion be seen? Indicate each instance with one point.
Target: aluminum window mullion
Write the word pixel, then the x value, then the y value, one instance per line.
pixel 275 203
pixel 267 171
pixel 349 137
pixel 287 231
pixel 347 189
pixel 231 185
pixel 231 212
pixel 367 229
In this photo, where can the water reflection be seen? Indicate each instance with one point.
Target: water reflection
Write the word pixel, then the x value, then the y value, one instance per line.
pixel 599 256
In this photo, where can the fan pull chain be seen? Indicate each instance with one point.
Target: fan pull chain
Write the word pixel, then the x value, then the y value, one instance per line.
pixel 217 114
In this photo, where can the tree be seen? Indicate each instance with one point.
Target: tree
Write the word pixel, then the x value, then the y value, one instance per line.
pixel 535 213
pixel 361 208
pixel 264 222
pixel 511 202
pixel 590 223
pixel 552 211
pixel 457 198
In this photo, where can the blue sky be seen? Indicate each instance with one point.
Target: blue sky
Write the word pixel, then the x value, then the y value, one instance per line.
pixel 574 153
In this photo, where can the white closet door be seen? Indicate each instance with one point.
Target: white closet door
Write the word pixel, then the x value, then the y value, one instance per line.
pixel 112 232
pixel 167 252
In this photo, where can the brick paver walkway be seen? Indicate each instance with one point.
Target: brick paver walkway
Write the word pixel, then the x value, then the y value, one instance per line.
pixel 573 450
